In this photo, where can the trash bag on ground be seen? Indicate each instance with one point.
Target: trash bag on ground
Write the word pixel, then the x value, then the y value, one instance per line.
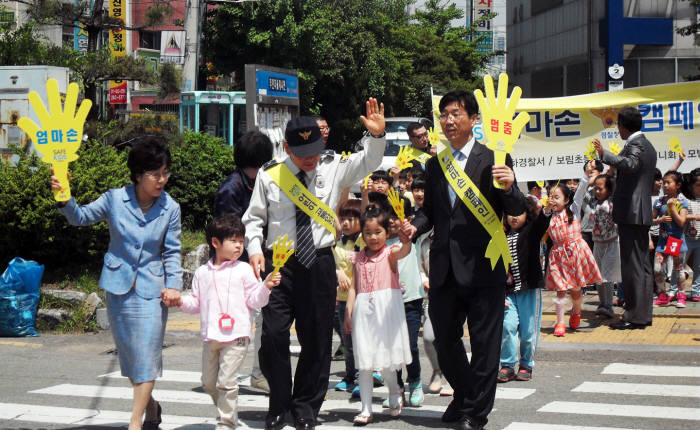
pixel 19 297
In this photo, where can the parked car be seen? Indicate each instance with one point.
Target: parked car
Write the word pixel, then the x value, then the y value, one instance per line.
pixel 396 137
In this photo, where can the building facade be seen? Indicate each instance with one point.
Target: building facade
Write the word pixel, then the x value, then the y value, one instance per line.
pixel 568 47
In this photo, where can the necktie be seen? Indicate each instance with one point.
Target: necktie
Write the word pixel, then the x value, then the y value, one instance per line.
pixel 458 157
pixel 305 250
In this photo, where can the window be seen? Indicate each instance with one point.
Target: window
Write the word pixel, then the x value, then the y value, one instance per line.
pixel 539 6
pixel 149 39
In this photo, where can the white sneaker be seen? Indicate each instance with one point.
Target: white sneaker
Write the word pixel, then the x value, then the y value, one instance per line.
pixel 260 383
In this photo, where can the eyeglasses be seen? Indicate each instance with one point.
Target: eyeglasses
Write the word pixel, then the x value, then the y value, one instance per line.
pixel 326 128
pixel 157 175
pixel 420 136
pixel 454 116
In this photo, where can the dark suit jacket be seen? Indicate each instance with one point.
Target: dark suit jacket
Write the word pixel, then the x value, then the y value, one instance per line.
pixel 635 166
pixel 459 240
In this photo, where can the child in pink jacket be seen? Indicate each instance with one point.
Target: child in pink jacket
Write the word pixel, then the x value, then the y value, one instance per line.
pixel 226 294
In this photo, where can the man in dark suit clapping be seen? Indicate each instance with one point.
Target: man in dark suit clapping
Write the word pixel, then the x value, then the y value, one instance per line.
pixel 632 213
pixel 462 283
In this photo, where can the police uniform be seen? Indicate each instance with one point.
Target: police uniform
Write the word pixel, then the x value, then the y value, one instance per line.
pixel 306 295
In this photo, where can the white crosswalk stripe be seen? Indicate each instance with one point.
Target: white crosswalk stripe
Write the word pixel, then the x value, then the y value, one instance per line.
pixel 630 409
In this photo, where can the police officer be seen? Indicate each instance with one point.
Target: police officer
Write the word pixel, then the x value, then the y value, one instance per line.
pixel 308 288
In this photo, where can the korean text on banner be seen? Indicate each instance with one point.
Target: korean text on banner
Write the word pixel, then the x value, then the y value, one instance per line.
pixel 553 143
pixel 117 47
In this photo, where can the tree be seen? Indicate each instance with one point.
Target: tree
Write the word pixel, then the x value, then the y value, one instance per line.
pixel 97 65
pixel 691 30
pixel 346 51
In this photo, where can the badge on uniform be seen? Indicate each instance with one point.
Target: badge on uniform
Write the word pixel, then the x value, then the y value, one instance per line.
pixel 226 322
pixel 320 182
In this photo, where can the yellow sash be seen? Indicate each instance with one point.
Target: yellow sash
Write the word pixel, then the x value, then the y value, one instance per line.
pixel 302 197
pixel 421 156
pixel 469 193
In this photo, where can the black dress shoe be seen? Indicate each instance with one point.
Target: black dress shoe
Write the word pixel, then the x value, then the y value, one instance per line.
pixel 453 412
pixel 154 423
pixel 275 422
pixel 626 325
pixel 305 424
pixel 468 424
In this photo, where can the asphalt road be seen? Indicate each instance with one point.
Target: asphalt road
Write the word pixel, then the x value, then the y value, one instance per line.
pixel 72 382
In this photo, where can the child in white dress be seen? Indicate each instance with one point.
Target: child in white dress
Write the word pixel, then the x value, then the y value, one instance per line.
pixel 375 311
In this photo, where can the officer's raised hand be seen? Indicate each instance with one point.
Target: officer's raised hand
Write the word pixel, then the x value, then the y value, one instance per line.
pixel 374 119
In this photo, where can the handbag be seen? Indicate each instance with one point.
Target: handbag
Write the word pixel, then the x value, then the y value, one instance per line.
pixel 673 246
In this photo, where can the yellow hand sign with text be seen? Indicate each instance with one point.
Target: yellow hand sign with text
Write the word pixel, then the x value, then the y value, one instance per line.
pixel 61 131
pixel 281 251
pixel 501 130
pixel 675 145
pixel 404 157
pixel 396 203
pixel 590 151
pixel 615 148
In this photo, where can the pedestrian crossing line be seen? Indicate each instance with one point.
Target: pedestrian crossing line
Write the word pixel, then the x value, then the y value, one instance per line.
pixel 77 416
pixel 651 370
pixel 639 389
pixel 244 401
pixel 609 409
pixel 195 378
pixel 62 415
pixel 541 426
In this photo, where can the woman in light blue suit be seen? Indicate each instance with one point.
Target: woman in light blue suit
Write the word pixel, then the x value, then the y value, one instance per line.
pixel 141 273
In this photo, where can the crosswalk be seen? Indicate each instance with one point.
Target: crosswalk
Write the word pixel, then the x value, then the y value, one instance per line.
pixel 676 399
pixel 688 417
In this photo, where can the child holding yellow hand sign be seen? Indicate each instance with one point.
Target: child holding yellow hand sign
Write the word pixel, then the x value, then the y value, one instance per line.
pixel 226 293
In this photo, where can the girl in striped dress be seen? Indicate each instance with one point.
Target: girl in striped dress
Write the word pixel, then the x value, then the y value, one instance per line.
pixel 571 262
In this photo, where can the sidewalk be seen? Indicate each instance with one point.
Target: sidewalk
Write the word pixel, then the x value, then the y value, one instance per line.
pixel 671 326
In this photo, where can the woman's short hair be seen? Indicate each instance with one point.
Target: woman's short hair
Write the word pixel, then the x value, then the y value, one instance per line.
pixel 253 149
pixel 149 153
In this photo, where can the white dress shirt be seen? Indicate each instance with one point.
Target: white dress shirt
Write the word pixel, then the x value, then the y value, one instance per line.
pixel 270 206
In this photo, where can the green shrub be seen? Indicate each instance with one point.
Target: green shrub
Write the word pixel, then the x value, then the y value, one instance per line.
pixel 200 165
pixel 32 228
pixel 30 225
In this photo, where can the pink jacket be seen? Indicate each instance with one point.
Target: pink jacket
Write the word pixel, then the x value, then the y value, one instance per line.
pixel 230 288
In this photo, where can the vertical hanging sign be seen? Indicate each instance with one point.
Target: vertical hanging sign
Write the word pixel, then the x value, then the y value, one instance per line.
pixel 482 8
pixel 117 47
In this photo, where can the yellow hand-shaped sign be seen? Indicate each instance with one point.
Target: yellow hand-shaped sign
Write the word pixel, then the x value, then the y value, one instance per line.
pixel 396 203
pixel 590 151
pixel 404 157
pixel 675 145
pixel 678 206
pixel 501 130
pixel 61 131
pixel 615 148
pixel 281 251
pixel 540 184
pixel 433 136
pixel 365 183
pixel 345 155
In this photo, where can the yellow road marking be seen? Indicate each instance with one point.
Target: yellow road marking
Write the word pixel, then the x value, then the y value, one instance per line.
pixel 18 343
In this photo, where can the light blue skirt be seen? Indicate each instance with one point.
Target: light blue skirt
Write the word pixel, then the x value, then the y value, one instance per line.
pixel 138 327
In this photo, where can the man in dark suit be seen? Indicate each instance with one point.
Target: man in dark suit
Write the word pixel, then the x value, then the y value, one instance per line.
pixel 462 283
pixel 632 213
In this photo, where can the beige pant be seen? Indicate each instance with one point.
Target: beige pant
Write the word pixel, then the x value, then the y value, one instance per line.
pixel 220 364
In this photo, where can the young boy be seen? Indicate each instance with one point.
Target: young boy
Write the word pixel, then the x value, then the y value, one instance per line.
pixel 226 294
pixel 350 241
pixel 381 181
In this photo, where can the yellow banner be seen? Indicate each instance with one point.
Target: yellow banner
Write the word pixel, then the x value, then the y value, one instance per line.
pixel 302 197
pixel 553 143
pixel 117 47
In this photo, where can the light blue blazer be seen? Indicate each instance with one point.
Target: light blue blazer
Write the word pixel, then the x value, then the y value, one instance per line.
pixel 144 250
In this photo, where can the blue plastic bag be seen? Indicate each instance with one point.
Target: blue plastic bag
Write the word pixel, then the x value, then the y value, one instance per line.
pixel 19 297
